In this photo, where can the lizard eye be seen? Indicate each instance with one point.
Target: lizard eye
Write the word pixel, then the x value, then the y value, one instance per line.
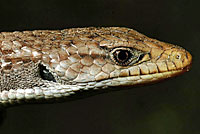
pixel 45 74
pixel 122 56
pixel 126 56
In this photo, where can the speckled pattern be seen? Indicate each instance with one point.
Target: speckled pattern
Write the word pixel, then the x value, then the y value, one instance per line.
pixel 81 59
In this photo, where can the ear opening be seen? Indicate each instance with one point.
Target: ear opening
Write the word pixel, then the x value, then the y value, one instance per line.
pixel 45 74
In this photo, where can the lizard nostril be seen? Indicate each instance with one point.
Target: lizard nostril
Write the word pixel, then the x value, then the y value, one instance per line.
pixel 178 56
pixel 45 74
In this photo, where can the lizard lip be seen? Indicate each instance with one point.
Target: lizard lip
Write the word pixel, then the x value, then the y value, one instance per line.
pixel 146 79
pixel 150 78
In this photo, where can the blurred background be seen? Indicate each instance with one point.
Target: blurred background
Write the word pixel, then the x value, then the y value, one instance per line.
pixel 171 106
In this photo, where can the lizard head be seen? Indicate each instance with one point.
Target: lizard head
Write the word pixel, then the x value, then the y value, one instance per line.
pixel 114 56
pixel 50 64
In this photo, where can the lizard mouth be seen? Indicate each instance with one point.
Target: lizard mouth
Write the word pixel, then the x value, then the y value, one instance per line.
pixel 143 79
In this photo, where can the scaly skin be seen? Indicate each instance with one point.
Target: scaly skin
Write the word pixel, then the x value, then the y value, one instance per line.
pixel 82 59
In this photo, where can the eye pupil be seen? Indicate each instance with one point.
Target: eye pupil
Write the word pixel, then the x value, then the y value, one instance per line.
pixel 123 55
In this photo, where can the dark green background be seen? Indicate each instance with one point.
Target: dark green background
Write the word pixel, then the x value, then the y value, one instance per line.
pixel 170 107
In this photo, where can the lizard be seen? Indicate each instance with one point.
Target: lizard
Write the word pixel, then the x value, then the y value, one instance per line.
pixel 46 64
